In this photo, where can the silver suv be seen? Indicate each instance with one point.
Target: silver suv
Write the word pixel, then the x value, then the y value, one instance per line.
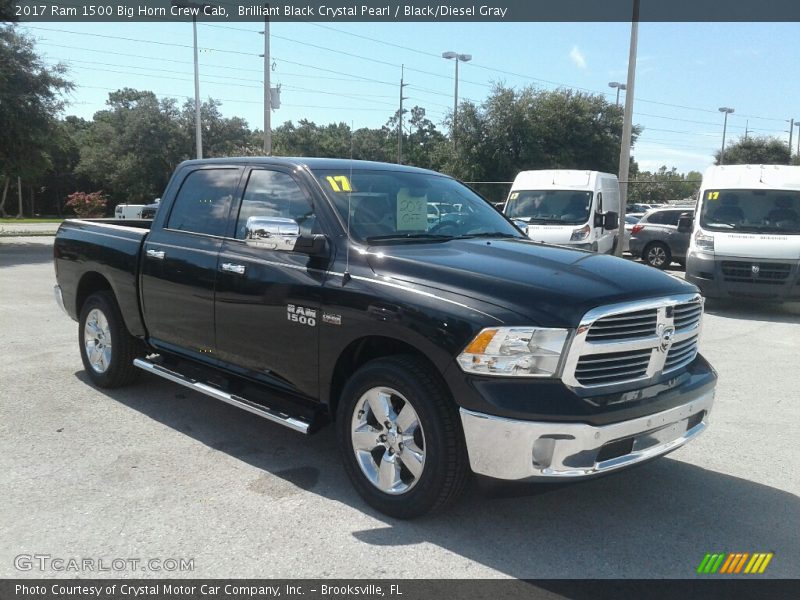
pixel 658 240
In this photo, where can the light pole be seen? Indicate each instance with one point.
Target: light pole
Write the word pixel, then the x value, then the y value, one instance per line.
pixel 458 58
pixel 727 111
pixel 267 88
pixel 791 130
pixel 627 127
pixel 198 132
pixel 797 124
pixel 619 86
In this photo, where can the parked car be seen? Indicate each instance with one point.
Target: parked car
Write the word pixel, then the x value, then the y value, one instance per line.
pixel 631 219
pixel 128 211
pixel 746 241
pixel 313 291
pixel 149 210
pixel 567 207
pixel 658 240
pixel 639 208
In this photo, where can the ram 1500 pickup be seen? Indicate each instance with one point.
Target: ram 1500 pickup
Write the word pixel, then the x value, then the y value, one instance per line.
pixel 400 306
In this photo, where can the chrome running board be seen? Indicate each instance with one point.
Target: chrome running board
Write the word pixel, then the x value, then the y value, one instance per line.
pixel 233 400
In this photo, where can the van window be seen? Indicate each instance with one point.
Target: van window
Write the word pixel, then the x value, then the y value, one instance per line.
pixel 751 210
pixel 565 207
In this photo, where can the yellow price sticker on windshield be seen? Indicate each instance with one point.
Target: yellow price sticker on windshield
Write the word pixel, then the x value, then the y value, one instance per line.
pixel 514 196
pixel 339 183
pixel 713 195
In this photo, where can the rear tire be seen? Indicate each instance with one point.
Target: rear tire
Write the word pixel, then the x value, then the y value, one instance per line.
pixel 404 463
pixel 657 255
pixel 107 349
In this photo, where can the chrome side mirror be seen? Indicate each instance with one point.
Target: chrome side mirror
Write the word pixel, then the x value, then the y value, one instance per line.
pixel 273 233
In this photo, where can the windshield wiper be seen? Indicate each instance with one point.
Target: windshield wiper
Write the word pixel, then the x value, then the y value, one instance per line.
pixel 489 234
pixel 545 220
pixel 403 237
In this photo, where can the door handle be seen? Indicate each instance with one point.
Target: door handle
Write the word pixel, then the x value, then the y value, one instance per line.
pixel 231 268
pixel 159 254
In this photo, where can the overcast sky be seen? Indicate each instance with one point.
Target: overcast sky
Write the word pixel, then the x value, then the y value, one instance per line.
pixel 350 71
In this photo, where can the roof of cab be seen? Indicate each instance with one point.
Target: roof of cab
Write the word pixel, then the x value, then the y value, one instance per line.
pixel 752 176
pixel 558 179
pixel 336 164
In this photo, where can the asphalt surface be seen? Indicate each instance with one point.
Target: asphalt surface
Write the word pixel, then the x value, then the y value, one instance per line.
pixel 156 471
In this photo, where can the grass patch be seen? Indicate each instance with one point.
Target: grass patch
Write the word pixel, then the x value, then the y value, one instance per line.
pixel 15 221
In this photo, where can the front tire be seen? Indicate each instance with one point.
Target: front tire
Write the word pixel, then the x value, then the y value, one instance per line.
pixel 657 255
pixel 107 349
pixel 400 438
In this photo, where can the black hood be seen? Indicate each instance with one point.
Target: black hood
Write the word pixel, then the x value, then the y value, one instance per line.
pixel 547 285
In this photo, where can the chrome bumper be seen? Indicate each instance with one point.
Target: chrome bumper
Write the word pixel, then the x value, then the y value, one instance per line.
pixel 517 450
pixel 59 298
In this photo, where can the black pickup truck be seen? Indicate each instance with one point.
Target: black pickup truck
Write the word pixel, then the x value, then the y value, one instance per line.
pixel 402 307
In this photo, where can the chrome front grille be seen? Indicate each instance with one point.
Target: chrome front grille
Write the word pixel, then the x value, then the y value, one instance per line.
pixel 634 341
pixel 758 273
pixel 631 325
pixel 599 369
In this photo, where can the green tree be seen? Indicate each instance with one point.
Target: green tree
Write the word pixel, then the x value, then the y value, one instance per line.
pixel 663 185
pixel 131 148
pixel 221 136
pixel 515 130
pixel 30 100
pixel 756 151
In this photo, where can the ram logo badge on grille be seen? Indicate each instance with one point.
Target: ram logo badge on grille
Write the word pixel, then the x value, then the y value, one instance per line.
pixel 755 270
pixel 666 334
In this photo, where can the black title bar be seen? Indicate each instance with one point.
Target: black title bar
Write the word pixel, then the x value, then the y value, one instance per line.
pixel 398 11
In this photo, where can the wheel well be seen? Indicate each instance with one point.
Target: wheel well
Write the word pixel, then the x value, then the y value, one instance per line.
pixel 361 351
pixel 90 283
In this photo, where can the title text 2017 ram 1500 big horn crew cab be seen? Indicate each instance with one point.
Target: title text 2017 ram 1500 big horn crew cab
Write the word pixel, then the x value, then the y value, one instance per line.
pixel 316 290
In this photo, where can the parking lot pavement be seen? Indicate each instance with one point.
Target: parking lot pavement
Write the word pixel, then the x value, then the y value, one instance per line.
pixel 156 471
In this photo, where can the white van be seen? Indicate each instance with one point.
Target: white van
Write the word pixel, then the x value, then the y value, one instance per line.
pixel 746 236
pixel 567 207
pixel 128 211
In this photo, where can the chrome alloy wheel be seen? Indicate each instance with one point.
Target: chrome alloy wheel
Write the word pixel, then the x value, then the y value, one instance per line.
pixel 97 341
pixel 656 256
pixel 388 440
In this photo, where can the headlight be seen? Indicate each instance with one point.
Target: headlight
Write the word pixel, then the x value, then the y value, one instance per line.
pixel 515 352
pixel 580 234
pixel 703 241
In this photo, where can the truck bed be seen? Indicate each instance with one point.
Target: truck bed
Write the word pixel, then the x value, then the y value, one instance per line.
pixel 86 249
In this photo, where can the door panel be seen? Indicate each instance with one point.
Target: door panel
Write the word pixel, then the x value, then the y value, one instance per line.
pixel 178 289
pixel 267 308
pixel 268 313
pixel 179 262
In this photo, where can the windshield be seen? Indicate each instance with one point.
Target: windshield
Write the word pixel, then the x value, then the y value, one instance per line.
pixel 399 206
pixel 563 207
pixel 771 211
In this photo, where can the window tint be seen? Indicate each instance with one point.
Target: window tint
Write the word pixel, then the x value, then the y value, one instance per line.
pixel 203 201
pixel 275 194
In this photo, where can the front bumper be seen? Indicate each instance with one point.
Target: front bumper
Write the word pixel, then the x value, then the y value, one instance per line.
pixel 512 449
pixel 735 277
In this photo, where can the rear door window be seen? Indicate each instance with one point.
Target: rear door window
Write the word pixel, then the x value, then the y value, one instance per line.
pixel 203 202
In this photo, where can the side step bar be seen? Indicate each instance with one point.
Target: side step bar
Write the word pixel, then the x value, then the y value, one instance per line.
pixel 237 401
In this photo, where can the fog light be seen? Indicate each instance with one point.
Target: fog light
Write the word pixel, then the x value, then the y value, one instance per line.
pixel 543 452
